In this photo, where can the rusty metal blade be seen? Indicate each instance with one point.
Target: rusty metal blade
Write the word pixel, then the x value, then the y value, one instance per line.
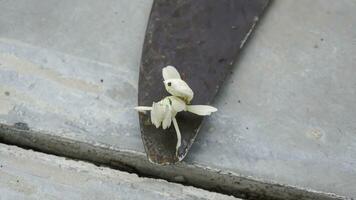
pixel 202 39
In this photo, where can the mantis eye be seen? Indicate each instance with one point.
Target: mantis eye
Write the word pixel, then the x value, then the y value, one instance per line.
pixel 169 83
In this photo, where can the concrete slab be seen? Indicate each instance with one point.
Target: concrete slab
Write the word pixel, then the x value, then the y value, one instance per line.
pixel 25 174
pixel 286 114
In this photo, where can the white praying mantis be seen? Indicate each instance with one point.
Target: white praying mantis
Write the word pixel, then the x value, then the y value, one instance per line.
pixel 164 112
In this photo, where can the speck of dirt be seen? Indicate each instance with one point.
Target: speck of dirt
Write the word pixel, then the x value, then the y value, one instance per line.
pixel 7 93
pixel 239 101
pixel 246 128
pixel 22 126
pixel 316 46
pixel 221 60
pixel 1 166
pixel 321 39
pixel 17 181
pixel 314 134
pixel 102 80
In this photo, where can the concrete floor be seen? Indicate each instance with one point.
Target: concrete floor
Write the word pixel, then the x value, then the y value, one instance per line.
pixel 287 114
pixel 25 174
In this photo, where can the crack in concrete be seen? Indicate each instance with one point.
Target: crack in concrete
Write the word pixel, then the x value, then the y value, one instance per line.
pixel 134 162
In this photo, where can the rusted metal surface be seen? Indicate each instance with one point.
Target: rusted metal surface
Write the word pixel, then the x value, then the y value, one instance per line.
pixel 202 39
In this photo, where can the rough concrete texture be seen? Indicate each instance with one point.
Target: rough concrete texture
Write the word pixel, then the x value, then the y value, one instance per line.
pixel 287 113
pixel 25 174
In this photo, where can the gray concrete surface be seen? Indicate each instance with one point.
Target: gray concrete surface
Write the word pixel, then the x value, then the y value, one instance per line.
pixel 25 174
pixel 287 114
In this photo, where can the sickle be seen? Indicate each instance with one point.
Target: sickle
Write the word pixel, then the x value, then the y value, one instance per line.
pixel 202 38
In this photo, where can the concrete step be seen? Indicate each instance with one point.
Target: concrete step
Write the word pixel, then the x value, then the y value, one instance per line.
pixel 25 174
pixel 286 121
